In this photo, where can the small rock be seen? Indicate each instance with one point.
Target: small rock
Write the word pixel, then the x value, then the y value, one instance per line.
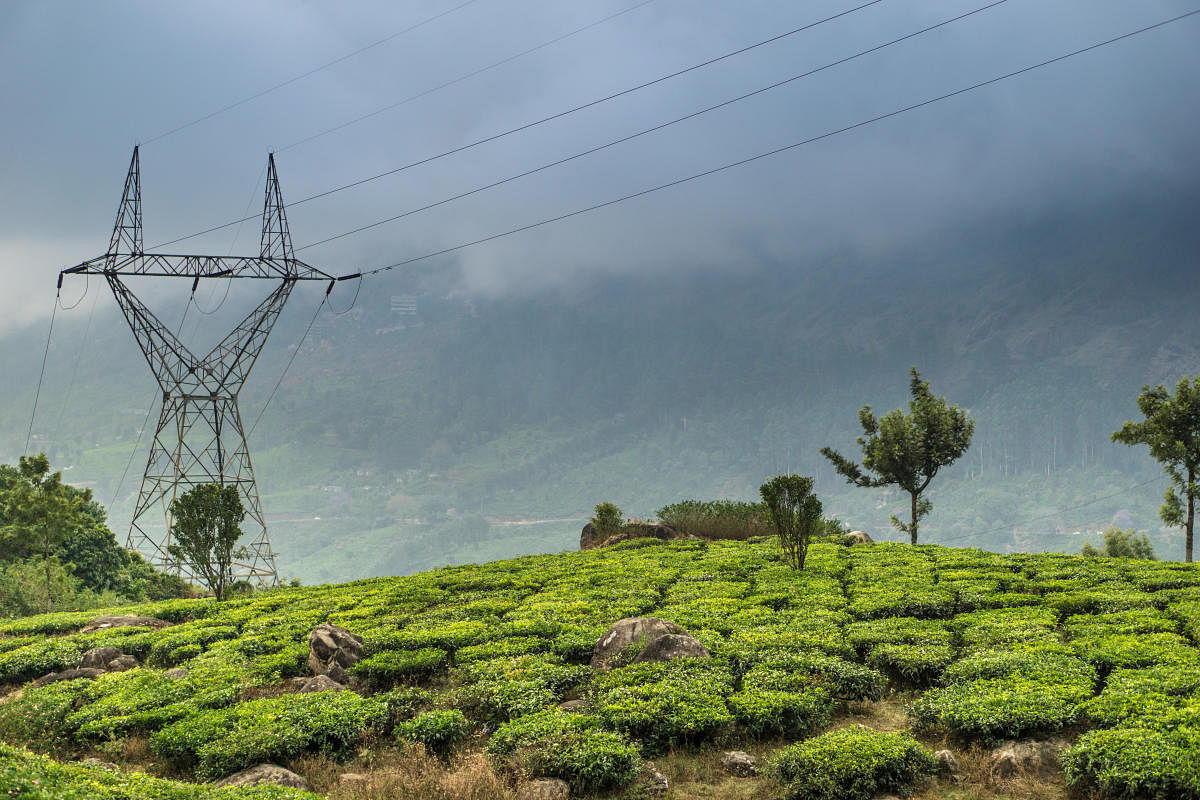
pixel 1015 758
pixel 121 663
pixel 947 762
pixel 671 647
pixel 176 673
pixel 321 683
pixel 332 649
pixel 68 675
pixel 544 789
pixel 657 782
pixel 739 764
pixel 295 684
pixel 264 773
pixel 123 621
pixel 98 657
pixel 574 705
pixel 96 762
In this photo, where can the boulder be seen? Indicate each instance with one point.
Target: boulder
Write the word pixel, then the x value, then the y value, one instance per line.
pixel 1025 758
pixel 123 621
pixel 320 683
pixel 947 762
pixel 859 537
pixel 670 647
pixel 331 649
pixel 122 663
pixel 574 706
pixel 98 657
pixel 739 764
pixel 176 674
pixel 656 782
pixel 544 789
pixel 589 538
pixel 68 675
pixel 264 773
pixel 627 631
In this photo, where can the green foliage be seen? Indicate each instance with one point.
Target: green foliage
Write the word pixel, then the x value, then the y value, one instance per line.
pixel 38 718
pixel 795 671
pixel 851 764
pixel 717 519
pixel 390 666
pixel 221 741
pixel 1171 429
pixel 1001 708
pixel 608 519
pixel 556 744
pixel 907 450
pixel 773 712
pixel 437 730
pixel 501 689
pixel 206 528
pixel 34 777
pixel 1136 763
pixel 913 664
pixel 1120 543
pixel 795 512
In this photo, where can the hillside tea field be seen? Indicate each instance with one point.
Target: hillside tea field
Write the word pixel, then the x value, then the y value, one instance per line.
pixel 476 660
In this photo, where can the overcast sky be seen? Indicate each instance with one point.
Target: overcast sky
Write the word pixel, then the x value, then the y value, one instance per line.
pixel 82 82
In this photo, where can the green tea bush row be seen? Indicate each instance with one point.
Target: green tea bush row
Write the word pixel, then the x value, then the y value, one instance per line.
pixel 572 747
pixel 437 730
pixel 853 763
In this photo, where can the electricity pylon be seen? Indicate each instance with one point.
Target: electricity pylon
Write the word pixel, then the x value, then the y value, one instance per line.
pixel 199 437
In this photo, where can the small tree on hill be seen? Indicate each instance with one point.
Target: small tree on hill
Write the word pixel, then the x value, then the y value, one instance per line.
pixel 608 519
pixel 795 512
pixel 206 528
pixel 1120 543
pixel 907 450
pixel 1172 432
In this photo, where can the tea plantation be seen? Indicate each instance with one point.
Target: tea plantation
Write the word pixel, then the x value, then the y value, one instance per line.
pixel 984 648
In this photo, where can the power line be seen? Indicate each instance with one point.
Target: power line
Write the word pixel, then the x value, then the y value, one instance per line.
pixel 288 366
pixel 535 123
pixel 465 76
pixel 41 375
pixel 304 75
pixel 655 128
pixel 774 152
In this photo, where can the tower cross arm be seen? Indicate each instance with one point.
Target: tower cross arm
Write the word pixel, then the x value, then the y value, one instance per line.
pixel 170 265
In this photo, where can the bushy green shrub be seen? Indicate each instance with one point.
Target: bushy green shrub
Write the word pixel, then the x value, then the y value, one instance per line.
pixel 1136 763
pixel 572 747
pixel 608 519
pixel 851 764
pixel 38 717
pixel 33 777
pixel 914 664
pixel 34 660
pixel 865 636
pixel 772 712
pixel 501 689
pixel 717 519
pixel 1128 652
pixel 390 666
pixel 221 741
pixel 437 730
pixel 1000 708
pixel 662 704
pixel 790 671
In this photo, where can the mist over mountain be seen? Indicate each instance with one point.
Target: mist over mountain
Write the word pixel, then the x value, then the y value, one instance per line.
pixel 429 424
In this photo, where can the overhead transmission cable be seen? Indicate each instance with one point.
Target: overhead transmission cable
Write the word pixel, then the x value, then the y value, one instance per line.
pixel 42 374
pixel 775 151
pixel 306 74
pixel 655 128
pixel 526 126
pixel 465 76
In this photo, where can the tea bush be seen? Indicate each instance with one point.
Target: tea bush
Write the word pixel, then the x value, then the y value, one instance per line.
pixel 914 664
pixel 555 744
pixel 390 666
pixel 1136 762
pixel 851 764
pixel 772 712
pixel 437 730
pixel 1001 708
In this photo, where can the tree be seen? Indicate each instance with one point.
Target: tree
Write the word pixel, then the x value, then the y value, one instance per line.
pixel 795 512
pixel 907 450
pixel 1120 543
pixel 39 513
pixel 608 519
pixel 1171 429
pixel 206 528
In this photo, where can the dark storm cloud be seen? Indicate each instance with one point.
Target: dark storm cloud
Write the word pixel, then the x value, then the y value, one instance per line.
pixel 84 81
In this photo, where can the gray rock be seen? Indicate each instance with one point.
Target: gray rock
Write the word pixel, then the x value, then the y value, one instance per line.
pixel 98 657
pixel 947 762
pixel 96 762
pixel 176 673
pixel 627 631
pixel 656 785
pixel 122 663
pixel 331 649
pixel 123 621
pixel 670 647
pixel 739 764
pixel 1012 759
pixel 321 683
pixel 589 537
pixel 574 705
pixel 544 789
pixel 68 675
pixel 859 537
pixel 264 773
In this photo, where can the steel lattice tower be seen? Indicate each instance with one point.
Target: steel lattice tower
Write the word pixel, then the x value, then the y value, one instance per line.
pixel 199 437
